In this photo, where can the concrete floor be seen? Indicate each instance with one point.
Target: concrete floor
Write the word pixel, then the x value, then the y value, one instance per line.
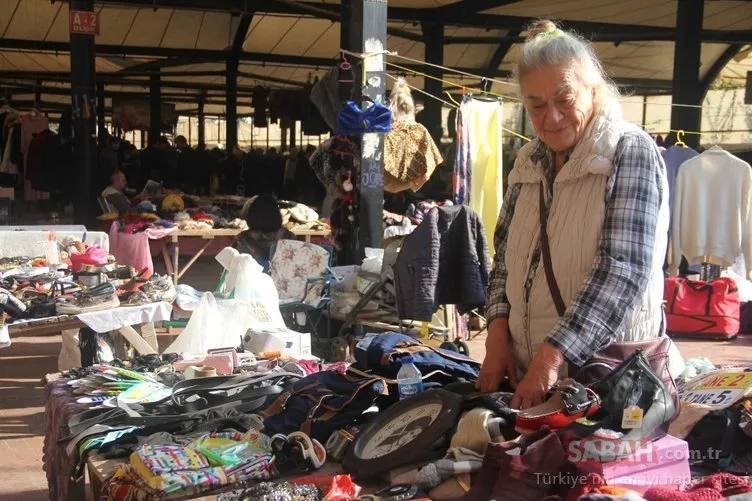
pixel 24 364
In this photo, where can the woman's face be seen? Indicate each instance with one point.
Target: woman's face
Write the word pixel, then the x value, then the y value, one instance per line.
pixel 559 105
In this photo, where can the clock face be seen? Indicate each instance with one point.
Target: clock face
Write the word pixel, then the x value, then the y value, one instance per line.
pixel 401 430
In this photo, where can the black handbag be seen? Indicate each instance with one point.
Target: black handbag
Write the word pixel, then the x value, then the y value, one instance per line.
pixel 634 402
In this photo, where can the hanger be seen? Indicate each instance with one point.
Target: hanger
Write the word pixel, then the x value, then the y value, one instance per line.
pixel 680 139
pixel 345 67
pixel 485 84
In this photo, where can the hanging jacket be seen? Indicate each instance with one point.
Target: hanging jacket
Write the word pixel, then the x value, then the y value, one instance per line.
pixel 444 261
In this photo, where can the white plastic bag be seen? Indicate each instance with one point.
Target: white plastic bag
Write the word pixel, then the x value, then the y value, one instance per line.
pixel 221 323
pixel 373 260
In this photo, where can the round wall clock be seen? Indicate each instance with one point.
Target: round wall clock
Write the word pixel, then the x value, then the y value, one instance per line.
pixel 408 432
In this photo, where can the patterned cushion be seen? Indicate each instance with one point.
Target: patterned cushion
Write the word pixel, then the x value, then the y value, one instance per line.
pixel 294 262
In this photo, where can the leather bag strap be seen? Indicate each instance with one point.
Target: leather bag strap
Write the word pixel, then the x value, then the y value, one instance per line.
pixel 548 266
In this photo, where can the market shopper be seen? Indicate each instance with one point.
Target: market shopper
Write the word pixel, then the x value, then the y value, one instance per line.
pixel 605 196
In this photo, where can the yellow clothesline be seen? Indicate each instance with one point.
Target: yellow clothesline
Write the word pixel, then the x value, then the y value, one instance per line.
pixel 471 75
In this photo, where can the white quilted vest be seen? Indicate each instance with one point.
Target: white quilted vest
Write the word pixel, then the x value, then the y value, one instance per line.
pixel 574 227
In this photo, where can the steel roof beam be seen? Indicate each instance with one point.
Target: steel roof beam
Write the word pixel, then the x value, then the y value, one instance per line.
pixel 453 15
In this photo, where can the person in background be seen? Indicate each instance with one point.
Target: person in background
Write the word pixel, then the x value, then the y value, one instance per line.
pixel 309 189
pixel 187 165
pixel 288 181
pixel 232 170
pixel 114 194
pixel 169 159
pixel 264 228
pixel 109 161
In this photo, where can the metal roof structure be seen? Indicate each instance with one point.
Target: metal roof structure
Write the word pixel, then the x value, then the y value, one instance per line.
pixel 283 43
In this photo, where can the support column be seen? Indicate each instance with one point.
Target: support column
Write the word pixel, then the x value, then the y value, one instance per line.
pixel 434 50
pixel 369 24
pixel 83 76
pixel 155 108
pixel 100 111
pixel 231 100
pixel 686 87
pixel 201 119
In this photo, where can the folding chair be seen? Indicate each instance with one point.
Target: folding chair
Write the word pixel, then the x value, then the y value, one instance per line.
pixel 301 273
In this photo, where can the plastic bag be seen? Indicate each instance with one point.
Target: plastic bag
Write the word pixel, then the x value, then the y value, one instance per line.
pixel 373 260
pixel 335 488
pixel 219 323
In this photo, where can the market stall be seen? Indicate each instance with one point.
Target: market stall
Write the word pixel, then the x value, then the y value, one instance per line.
pixel 65 289
pixel 354 425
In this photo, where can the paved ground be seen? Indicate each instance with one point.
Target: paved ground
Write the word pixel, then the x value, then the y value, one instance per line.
pixel 24 364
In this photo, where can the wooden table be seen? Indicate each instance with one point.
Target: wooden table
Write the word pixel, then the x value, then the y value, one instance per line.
pixel 172 264
pixel 307 234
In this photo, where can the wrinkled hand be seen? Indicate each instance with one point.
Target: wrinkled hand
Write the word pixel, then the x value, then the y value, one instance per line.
pixel 541 375
pixel 499 361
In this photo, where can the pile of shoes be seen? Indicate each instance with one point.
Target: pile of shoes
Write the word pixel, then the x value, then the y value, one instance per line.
pixel 101 297
pixel 156 289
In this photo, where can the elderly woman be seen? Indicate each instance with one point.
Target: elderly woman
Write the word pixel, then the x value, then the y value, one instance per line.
pixel 601 184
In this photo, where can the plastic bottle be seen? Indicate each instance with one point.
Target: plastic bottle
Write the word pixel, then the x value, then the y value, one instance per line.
pixel 409 379
pixel 51 250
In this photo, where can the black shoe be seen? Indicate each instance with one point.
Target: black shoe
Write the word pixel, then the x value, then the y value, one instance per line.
pixel 634 403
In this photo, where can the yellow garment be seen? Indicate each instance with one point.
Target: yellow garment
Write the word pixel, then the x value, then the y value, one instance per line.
pixel 486 184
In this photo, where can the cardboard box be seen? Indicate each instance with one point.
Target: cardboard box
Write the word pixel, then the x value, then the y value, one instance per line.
pixel 295 344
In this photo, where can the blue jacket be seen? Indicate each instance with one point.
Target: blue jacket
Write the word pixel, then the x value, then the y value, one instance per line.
pixel 444 261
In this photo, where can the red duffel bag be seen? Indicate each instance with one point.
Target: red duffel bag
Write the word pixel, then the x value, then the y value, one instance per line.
pixel 702 309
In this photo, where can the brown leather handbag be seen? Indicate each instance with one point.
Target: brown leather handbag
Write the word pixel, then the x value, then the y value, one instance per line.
pixel 607 358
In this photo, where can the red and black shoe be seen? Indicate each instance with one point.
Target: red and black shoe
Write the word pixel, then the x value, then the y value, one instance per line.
pixel 567 402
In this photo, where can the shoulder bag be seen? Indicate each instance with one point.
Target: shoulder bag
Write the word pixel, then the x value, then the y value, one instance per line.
pixel 606 358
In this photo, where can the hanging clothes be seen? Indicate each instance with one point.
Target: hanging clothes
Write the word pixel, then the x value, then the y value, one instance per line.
pixel 711 213
pixel 11 158
pixel 31 124
pixel 410 157
pixel 463 163
pixel 479 173
pixel 673 157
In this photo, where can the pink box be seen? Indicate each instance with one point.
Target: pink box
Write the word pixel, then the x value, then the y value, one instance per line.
pixel 663 463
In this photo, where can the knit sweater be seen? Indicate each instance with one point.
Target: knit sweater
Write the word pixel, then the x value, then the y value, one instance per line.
pixel 711 211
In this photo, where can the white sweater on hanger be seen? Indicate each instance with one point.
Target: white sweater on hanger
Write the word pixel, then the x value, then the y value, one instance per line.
pixel 711 210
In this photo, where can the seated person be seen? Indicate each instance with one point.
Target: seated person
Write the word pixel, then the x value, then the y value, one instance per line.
pixel 264 228
pixel 115 195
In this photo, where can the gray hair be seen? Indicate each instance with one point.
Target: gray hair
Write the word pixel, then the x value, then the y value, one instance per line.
pixel 547 45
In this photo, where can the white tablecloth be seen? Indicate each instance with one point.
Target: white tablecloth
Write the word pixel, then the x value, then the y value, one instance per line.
pixel 113 319
pixel 117 318
pixel 26 242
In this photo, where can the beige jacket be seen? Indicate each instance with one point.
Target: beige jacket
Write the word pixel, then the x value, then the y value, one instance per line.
pixel 575 223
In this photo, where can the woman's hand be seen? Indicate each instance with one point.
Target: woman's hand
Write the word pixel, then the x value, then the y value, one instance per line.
pixel 499 361
pixel 541 375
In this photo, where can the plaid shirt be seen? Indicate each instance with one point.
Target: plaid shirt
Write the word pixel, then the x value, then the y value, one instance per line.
pixel 622 266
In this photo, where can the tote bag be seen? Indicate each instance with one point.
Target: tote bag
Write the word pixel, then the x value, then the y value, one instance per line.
pixel 702 309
